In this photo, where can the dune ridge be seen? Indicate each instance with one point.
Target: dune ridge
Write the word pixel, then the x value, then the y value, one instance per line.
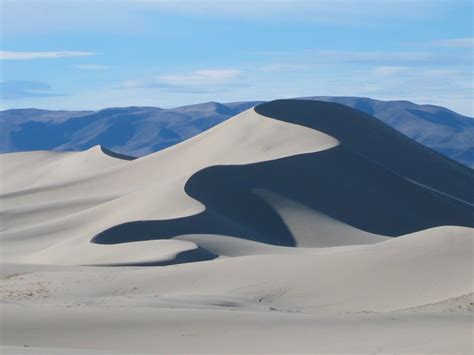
pixel 127 184
pixel 217 184
pixel 298 221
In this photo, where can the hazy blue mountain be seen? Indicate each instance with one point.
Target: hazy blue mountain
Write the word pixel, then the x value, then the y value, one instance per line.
pixel 130 130
pixel 139 131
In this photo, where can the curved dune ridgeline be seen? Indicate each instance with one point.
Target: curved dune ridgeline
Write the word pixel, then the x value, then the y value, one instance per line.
pixel 365 135
pixel 366 182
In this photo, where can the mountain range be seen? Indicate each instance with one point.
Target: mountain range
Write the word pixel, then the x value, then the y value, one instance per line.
pixel 138 131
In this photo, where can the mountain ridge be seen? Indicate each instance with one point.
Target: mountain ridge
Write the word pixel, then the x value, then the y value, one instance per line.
pixel 141 130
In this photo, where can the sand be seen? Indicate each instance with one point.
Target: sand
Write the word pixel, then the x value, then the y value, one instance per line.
pixel 252 237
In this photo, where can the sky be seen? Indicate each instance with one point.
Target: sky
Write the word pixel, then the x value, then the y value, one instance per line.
pixel 92 54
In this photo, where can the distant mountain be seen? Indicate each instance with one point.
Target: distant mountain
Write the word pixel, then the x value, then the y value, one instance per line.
pixel 139 131
pixel 129 130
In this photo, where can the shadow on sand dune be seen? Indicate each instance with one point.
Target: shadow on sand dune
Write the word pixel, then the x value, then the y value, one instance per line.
pixel 116 155
pixel 188 256
pixel 363 182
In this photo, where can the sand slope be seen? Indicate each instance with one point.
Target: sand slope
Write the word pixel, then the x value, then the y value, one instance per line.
pixel 395 296
pixel 286 228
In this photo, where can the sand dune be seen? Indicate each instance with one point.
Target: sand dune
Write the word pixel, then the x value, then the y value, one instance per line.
pixel 276 302
pixel 148 188
pixel 299 221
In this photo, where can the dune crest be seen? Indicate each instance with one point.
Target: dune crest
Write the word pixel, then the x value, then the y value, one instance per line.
pixel 299 221
pixel 114 191
pixel 273 175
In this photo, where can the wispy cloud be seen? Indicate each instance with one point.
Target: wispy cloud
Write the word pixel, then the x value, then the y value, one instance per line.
pixel 280 67
pixel 467 42
pixel 373 56
pixel 389 70
pixel 195 81
pixel 202 77
pixel 92 67
pixel 306 57
pixel 23 55
pixel 19 89
pixel 416 73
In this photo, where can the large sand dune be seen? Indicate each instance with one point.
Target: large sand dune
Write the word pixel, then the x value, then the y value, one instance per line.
pixel 282 229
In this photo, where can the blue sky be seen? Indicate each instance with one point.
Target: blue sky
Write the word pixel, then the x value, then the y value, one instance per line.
pixel 86 54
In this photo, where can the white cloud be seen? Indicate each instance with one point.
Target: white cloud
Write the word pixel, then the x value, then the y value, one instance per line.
pixel 306 57
pixel 390 70
pixel 372 56
pixel 22 55
pixel 467 42
pixel 202 77
pixel 417 73
pixel 279 67
pixel 21 89
pixel 199 80
pixel 92 67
